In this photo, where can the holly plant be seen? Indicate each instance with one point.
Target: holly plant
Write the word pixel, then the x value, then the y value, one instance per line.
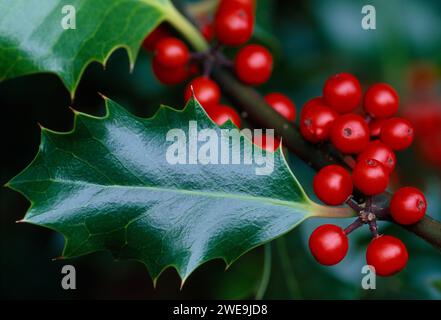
pixel 106 184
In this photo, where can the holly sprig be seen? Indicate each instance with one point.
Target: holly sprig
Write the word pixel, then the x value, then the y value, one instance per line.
pixel 317 156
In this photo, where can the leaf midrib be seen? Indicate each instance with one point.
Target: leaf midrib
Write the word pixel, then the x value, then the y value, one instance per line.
pixel 271 201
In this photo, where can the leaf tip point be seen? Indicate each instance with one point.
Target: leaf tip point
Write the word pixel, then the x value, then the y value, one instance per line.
pixel 75 112
pixel 193 95
pixel 183 281
pixel 131 67
pixel 103 96
pixel 155 282
pixel 58 258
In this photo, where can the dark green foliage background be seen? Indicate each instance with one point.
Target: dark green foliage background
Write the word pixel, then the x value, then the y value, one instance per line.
pixel 313 39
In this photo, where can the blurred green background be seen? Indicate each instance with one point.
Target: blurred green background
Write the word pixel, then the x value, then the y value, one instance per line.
pixel 311 40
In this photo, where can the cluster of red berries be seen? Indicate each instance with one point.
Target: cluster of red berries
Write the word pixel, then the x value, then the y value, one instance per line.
pixel 233 24
pixel 372 140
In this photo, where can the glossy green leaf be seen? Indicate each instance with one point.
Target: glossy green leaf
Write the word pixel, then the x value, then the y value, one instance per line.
pixel 32 38
pixel 107 185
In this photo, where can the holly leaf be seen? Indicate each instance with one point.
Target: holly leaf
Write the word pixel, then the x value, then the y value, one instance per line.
pixel 109 184
pixel 33 39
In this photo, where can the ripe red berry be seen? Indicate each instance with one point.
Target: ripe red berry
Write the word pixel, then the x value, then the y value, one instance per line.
pixel 375 127
pixel 159 33
pixel 381 101
pixel 342 92
pixel 206 91
pixel 170 76
pixel 171 53
pixel 316 120
pixel 282 104
pixel 266 142
pixel 328 244
pixel 253 64
pixel 333 185
pixel 222 113
pixel 387 254
pixel 380 152
pixel 350 133
pixel 408 205
pixel 370 177
pixel 233 23
pixel 397 133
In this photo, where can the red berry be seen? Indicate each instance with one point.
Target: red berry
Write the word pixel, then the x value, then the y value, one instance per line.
pixel 370 177
pixel 408 205
pixel 171 53
pixel 387 254
pixel 161 32
pixel 282 104
pixel 316 120
pixel 169 76
pixel 254 64
pixel 342 92
pixel 266 142
pixel 397 133
pixel 381 101
pixel 222 113
pixel 328 244
pixel 350 133
pixel 233 23
pixel 380 152
pixel 375 127
pixel 206 91
pixel 333 185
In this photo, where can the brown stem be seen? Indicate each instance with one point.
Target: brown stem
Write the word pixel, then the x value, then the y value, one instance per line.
pixel 373 227
pixel 354 206
pixel 354 225
pixel 429 229
pixel 250 101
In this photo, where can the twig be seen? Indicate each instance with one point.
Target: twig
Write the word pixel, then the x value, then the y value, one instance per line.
pixel 354 225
